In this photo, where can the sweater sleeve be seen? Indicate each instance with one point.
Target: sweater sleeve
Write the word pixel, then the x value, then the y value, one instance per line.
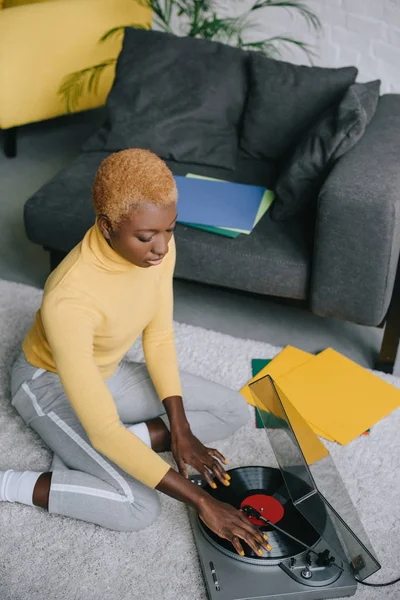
pixel 158 337
pixel 70 324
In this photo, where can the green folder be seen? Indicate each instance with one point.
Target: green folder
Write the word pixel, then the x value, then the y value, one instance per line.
pixel 218 230
pixel 257 364
pixel 226 231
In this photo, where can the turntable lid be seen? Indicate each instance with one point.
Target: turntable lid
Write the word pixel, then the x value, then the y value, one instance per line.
pixel 312 479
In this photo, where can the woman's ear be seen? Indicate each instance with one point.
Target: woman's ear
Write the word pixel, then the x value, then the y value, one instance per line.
pixel 105 226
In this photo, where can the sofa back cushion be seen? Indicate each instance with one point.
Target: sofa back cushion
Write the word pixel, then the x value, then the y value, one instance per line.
pixel 284 99
pixel 180 97
pixel 335 133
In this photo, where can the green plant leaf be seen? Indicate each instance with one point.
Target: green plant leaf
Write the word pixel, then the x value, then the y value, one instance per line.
pixel 196 12
pixel 74 85
pixel 118 31
pixel 161 14
pixel 169 4
pixel 215 28
pixel 311 18
pixel 270 49
pixel 160 23
pixel 190 7
pixel 240 41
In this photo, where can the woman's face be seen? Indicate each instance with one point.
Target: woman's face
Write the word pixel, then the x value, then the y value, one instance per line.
pixel 143 238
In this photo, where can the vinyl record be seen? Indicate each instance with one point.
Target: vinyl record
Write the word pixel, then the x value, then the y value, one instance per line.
pixel 264 489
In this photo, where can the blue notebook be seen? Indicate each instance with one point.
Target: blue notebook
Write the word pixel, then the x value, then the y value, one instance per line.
pixel 218 203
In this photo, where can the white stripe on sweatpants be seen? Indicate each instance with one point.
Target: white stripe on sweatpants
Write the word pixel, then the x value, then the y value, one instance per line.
pixel 33 398
pixel 84 445
pixel 81 489
pixel 38 373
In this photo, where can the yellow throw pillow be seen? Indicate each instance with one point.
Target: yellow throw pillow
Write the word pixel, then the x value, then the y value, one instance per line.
pixel 60 37
pixel 12 3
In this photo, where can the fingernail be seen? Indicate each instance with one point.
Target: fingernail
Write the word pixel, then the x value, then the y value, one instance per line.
pixel 260 553
pixel 242 553
pixel 225 461
pixel 214 486
pixel 226 482
pixel 265 537
pixel 227 476
pixel 269 548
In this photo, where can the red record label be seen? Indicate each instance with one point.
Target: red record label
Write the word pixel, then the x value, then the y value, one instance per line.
pixel 269 507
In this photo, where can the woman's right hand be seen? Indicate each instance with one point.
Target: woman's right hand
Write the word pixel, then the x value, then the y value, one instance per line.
pixel 224 520
pixel 232 525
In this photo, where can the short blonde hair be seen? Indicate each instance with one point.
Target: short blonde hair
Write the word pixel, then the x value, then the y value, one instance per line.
pixel 128 179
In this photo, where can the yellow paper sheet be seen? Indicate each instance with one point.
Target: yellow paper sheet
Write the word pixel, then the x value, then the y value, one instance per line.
pixel 266 202
pixel 312 448
pixel 337 396
pixel 288 359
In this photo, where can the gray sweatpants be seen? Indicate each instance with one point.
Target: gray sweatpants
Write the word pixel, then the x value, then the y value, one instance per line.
pixel 85 484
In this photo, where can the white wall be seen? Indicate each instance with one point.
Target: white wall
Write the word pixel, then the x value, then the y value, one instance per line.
pixel 364 33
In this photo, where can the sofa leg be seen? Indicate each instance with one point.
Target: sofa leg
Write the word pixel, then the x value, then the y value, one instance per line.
pixel 391 336
pixel 390 344
pixel 10 142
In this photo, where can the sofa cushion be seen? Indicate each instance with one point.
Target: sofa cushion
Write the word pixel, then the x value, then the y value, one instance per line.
pixel 284 100
pixel 180 97
pixel 275 259
pixel 336 132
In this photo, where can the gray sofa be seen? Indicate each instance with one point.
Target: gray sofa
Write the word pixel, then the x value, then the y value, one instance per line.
pixel 338 257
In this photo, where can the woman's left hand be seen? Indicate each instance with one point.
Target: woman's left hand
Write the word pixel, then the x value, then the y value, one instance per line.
pixel 188 450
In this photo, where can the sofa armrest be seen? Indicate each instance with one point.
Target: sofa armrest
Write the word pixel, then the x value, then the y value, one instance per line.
pixel 357 237
pixel 42 43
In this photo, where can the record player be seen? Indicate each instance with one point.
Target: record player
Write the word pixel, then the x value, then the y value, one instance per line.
pixel 319 546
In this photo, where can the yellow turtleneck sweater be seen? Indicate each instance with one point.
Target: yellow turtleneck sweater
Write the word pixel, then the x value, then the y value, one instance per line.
pixel 95 305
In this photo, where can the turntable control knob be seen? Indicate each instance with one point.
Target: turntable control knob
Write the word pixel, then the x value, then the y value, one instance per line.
pixel 306 573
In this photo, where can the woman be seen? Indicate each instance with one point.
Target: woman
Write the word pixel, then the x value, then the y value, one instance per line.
pixel 106 419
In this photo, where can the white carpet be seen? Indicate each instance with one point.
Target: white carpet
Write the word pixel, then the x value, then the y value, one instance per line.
pixel 44 557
